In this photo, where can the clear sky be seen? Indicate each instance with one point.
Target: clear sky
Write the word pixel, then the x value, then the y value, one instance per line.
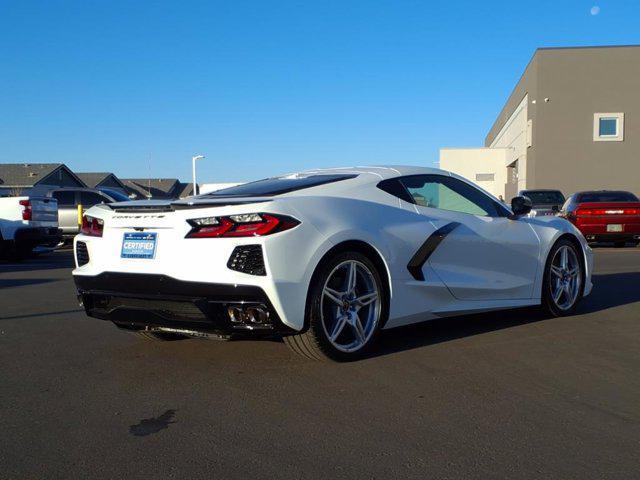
pixel 266 87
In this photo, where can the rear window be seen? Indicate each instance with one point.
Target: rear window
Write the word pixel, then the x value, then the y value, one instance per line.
pixel 117 196
pixel 277 186
pixel 91 198
pixel 65 197
pixel 607 197
pixel 542 197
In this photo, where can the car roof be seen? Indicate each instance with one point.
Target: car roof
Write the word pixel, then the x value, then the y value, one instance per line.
pixel 381 171
pixel 372 174
pixel 541 190
pixel 602 191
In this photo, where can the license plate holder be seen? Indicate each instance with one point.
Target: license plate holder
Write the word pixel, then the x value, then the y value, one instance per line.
pixel 614 227
pixel 139 245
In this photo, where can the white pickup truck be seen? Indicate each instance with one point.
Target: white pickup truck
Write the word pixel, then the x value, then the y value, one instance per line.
pixel 27 222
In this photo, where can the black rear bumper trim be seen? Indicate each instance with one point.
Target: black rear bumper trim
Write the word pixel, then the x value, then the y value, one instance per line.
pixel 142 301
pixel 612 237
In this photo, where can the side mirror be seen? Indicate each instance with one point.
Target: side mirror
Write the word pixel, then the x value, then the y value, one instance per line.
pixel 521 206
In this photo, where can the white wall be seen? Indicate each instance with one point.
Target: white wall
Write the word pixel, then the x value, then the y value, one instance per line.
pixel 515 136
pixel 470 162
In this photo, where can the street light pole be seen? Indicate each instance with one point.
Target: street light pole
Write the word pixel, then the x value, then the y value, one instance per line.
pixel 193 164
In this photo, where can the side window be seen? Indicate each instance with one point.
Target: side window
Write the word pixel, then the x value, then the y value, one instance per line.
pixel 91 198
pixel 65 198
pixel 394 187
pixel 447 193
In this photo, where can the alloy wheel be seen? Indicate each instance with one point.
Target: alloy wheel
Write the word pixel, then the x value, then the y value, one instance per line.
pixel 565 277
pixel 350 306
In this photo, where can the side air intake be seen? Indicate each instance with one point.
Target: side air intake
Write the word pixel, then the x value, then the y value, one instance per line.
pixel 82 254
pixel 247 259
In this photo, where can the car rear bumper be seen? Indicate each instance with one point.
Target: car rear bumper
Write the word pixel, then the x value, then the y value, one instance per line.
pixel 38 236
pixel 612 237
pixel 150 301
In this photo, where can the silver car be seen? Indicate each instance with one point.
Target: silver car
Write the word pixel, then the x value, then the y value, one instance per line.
pixel 69 198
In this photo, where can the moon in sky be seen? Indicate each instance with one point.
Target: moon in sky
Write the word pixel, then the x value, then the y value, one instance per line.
pixel 595 10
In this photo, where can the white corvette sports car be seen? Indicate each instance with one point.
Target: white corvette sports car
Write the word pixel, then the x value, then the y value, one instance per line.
pixel 324 258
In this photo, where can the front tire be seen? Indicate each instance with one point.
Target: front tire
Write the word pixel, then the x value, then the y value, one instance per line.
pixel 564 278
pixel 347 305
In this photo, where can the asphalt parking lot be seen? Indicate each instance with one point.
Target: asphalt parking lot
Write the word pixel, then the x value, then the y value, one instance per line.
pixel 505 395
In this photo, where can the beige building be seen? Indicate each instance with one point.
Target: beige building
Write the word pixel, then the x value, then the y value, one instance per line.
pixel 572 123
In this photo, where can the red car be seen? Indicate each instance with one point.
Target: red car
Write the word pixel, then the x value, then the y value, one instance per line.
pixel 605 216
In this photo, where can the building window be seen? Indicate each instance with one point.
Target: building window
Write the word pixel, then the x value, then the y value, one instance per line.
pixel 485 177
pixel 608 127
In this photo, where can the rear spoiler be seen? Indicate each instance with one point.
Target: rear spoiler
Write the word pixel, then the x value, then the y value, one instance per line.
pixel 149 206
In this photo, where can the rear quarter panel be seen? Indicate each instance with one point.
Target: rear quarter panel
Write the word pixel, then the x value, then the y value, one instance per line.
pixel 394 232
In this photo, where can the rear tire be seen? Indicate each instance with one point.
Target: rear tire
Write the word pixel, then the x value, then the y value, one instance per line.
pixel 161 336
pixel 347 304
pixel 564 278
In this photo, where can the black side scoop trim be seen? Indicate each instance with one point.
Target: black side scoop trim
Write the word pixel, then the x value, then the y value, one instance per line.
pixel 427 248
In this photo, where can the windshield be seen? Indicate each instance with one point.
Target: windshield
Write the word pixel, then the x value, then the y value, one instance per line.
pixel 277 186
pixel 544 197
pixel 608 197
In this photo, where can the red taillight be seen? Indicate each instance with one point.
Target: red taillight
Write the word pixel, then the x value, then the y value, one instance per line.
pixel 242 225
pixel 92 226
pixel 585 212
pixel 27 213
pixel 211 230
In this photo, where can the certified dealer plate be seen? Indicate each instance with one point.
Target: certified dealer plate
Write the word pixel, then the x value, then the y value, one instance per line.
pixel 614 227
pixel 139 245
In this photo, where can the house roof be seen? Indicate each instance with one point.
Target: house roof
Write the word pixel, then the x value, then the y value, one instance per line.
pixel 133 188
pixel 185 190
pixel 30 174
pixel 154 187
pixel 93 179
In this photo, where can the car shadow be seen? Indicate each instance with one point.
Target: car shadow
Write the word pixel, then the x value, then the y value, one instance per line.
pixel 451 328
pixel 610 290
pixel 47 261
pixel 22 282
pixel 43 314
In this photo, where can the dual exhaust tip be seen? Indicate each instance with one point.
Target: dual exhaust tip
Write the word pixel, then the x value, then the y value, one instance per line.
pixel 253 315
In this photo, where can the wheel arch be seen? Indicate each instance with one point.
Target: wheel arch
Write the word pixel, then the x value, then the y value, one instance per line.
pixel 576 242
pixel 573 239
pixel 365 249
